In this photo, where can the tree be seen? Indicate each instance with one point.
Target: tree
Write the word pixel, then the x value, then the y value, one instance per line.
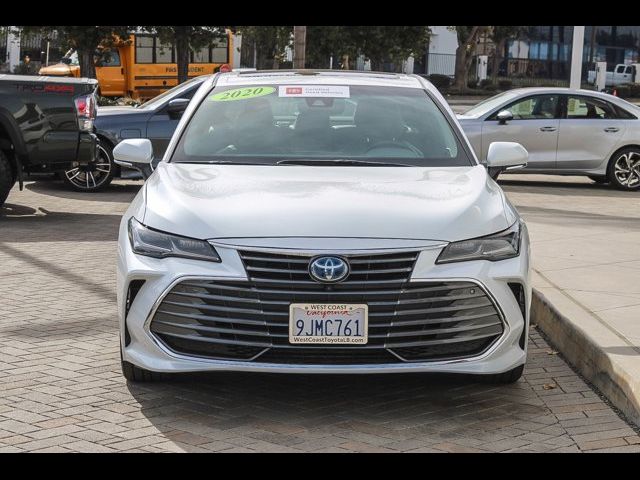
pixel 85 40
pixel 186 38
pixel 378 44
pixel 467 39
pixel 269 43
pixel 325 42
pixel 499 36
pixel 393 44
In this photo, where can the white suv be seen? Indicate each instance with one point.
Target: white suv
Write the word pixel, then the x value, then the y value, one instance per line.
pixel 322 222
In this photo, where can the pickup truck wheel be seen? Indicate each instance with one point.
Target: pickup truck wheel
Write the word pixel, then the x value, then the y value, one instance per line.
pixel 624 169
pixel 95 175
pixel 6 177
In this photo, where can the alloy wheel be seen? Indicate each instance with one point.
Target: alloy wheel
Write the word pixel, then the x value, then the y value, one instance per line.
pixel 627 169
pixel 93 174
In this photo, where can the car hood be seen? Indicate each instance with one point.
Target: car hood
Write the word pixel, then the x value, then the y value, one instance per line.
pixel 235 201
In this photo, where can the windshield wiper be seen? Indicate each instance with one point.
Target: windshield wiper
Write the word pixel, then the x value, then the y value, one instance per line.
pixel 340 161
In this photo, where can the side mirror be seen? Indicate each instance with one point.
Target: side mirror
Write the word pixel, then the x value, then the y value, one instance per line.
pixel 136 153
pixel 504 116
pixel 507 156
pixel 177 106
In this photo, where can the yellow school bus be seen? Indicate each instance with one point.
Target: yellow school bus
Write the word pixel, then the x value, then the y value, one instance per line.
pixel 144 67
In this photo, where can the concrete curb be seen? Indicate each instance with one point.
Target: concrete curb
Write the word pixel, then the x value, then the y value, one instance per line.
pixel 593 349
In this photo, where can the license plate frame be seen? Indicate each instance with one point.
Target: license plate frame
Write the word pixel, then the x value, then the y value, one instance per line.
pixel 331 320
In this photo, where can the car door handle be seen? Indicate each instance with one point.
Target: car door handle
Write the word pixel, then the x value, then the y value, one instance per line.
pixel 547 129
pixel 611 129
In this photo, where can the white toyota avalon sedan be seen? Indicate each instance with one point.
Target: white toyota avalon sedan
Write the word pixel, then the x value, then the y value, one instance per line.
pixel 322 222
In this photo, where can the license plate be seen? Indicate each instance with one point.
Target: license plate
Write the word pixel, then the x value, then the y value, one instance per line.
pixel 322 323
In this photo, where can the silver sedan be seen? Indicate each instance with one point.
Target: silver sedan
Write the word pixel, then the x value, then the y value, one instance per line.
pixel 567 132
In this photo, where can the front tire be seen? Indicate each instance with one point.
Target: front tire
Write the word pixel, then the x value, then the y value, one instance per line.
pixel 137 374
pixel 7 179
pixel 94 176
pixel 506 378
pixel 624 169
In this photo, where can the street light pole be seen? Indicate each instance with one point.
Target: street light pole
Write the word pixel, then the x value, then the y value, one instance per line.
pixel 576 57
pixel 299 40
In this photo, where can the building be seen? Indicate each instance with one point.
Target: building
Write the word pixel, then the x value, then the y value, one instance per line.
pixel 539 52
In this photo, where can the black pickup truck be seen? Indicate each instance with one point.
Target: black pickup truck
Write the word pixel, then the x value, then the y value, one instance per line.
pixel 46 125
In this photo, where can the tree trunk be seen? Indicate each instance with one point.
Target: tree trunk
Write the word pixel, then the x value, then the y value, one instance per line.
pixel 299 46
pixel 182 57
pixel 461 72
pixel 85 59
pixel 497 59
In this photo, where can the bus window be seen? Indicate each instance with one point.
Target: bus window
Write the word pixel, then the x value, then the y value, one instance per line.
pixel 164 52
pixel 144 49
pixel 201 55
pixel 220 53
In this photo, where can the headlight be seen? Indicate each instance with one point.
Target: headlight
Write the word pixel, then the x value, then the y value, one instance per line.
pixel 153 243
pixel 499 246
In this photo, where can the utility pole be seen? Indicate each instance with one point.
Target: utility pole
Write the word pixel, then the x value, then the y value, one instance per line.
pixel 299 46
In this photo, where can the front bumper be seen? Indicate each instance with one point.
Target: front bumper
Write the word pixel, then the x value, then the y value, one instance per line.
pixel 144 349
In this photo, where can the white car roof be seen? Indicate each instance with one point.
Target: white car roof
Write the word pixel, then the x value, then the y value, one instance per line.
pixel 318 77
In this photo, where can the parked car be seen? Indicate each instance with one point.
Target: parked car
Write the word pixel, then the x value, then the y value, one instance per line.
pixel 621 74
pixel 155 120
pixel 566 132
pixel 285 231
pixel 46 125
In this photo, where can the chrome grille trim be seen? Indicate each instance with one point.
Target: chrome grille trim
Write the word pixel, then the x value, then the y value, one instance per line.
pixel 253 314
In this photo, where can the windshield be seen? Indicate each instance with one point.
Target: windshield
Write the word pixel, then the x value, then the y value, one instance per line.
pixel 175 91
pixel 490 103
pixel 314 123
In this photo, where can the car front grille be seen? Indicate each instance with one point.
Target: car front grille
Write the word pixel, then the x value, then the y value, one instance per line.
pixel 249 320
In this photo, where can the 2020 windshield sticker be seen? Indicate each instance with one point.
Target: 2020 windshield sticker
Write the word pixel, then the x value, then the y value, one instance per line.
pixel 333 91
pixel 241 94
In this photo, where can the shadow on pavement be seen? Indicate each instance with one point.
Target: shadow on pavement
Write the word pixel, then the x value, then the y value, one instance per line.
pixel 557 187
pixel 633 351
pixel 570 217
pixel 116 192
pixel 47 226
pixel 296 402
pixel 10 210
pixel 101 289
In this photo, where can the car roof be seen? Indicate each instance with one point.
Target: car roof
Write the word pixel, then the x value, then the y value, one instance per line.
pixel 318 77
pixel 563 90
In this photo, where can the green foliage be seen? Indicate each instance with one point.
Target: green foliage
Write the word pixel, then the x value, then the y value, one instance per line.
pixel 85 39
pixel 505 84
pixel 270 43
pixel 377 43
pixel 196 36
pixel 25 69
pixel 386 43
